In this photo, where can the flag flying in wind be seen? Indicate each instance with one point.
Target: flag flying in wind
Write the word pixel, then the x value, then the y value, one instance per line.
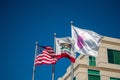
pixel 86 42
pixel 45 55
pixel 64 48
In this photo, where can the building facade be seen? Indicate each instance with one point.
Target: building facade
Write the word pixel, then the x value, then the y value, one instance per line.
pixel 106 66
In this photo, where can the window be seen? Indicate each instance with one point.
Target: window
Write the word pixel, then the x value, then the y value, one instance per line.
pixel 113 56
pixel 111 78
pixel 93 75
pixel 74 78
pixel 92 61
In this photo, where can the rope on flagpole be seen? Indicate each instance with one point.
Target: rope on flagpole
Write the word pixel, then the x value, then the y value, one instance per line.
pixel 34 60
pixel 53 66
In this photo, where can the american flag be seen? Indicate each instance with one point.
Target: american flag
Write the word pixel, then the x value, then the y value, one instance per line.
pixel 45 55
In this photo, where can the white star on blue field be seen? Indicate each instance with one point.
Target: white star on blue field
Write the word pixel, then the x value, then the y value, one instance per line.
pixel 23 22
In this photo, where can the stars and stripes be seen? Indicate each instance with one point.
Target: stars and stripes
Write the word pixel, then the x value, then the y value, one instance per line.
pixel 45 56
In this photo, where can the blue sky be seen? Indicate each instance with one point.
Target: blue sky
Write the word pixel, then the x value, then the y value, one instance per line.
pixel 23 22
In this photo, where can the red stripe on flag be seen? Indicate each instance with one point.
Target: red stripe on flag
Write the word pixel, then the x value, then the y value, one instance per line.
pixel 47 57
pixel 43 62
pixel 72 59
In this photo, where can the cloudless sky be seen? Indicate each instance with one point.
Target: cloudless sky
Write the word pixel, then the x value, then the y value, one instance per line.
pixel 23 22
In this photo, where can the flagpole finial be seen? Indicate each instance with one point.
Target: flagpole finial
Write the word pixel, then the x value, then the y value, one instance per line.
pixel 71 22
pixel 54 34
pixel 36 43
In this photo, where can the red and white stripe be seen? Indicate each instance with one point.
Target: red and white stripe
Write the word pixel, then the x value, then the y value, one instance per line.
pixel 62 55
pixel 47 57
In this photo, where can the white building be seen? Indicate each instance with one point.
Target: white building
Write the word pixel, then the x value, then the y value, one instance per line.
pixel 106 66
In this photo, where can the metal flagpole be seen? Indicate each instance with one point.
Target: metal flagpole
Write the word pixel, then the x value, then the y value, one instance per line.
pixel 72 72
pixel 72 64
pixel 34 61
pixel 53 66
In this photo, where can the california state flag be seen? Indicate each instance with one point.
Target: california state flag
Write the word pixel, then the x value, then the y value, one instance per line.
pixel 64 48
pixel 86 42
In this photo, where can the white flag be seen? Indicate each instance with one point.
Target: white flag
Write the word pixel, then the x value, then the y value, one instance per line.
pixel 64 48
pixel 86 42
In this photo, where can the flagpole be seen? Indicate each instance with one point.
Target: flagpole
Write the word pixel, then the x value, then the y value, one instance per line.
pixel 72 64
pixel 53 66
pixel 34 60
pixel 72 72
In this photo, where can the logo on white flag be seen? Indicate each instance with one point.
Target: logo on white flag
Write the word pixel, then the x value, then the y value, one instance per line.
pixel 86 42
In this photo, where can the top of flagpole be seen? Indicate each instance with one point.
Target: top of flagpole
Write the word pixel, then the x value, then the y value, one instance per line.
pixel 53 66
pixel 34 60
pixel 72 23
pixel 36 43
pixel 54 34
pixel 54 41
